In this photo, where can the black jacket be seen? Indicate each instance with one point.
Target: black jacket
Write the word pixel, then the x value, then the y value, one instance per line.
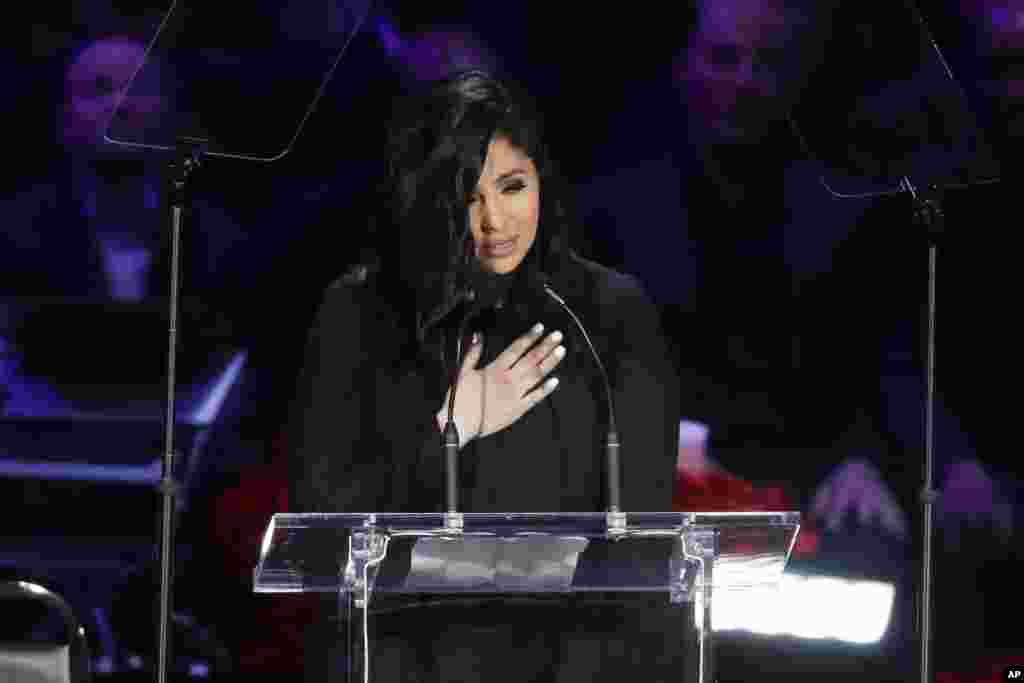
pixel 363 431
pixel 364 439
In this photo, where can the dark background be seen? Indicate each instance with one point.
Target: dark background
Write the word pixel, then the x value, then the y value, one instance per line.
pixel 604 76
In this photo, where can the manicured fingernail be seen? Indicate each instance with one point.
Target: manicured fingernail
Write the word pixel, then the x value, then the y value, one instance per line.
pixel 556 337
pixel 553 382
pixel 560 351
pixel 476 338
pixel 538 328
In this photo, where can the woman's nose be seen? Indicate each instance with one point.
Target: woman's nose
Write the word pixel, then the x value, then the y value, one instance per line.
pixel 491 217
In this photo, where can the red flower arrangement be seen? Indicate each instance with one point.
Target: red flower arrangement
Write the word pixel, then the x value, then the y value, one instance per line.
pixel 272 632
pixel 714 490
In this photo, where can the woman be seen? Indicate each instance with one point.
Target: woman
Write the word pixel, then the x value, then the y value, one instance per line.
pixel 472 198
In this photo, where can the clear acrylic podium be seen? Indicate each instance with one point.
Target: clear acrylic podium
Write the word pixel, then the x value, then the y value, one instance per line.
pixel 684 556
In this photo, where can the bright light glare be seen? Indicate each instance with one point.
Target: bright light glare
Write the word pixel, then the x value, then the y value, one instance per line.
pixel 808 607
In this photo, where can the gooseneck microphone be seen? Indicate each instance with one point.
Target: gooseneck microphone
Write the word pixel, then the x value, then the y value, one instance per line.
pixel 452 438
pixel 484 291
pixel 613 489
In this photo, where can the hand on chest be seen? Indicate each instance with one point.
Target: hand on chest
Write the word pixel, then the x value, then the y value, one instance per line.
pixel 578 370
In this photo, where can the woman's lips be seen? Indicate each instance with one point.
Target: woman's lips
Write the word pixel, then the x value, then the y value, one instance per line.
pixel 500 248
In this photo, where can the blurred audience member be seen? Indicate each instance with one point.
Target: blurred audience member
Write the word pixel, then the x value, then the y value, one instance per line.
pixel 996 40
pixel 799 316
pixel 93 227
pixel 754 266
pixel 734 71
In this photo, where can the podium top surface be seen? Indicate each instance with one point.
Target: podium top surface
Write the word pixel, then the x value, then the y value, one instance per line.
pixel 512 522
pixel 523 552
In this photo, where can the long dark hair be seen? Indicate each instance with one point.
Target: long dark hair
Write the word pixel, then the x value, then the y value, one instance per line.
pixel 437 145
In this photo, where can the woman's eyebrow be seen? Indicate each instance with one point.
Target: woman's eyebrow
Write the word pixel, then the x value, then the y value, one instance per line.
pixel 509 174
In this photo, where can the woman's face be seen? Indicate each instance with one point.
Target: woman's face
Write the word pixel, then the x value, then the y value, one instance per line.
pixel 505 208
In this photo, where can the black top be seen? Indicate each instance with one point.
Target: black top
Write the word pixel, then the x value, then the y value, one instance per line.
pixel 363 430
pixel 364 439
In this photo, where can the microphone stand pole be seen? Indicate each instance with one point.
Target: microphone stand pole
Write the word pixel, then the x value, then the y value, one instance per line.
pixel 928 214
pixel 181 168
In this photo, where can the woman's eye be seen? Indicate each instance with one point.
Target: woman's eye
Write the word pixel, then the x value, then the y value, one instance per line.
pixel 512 188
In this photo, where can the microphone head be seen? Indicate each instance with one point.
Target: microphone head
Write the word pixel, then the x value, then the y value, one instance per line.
pixel 543 284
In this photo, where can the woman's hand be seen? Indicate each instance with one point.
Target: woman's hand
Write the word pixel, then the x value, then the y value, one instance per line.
pixel 492 398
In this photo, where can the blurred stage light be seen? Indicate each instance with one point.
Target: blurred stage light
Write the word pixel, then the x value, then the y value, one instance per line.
pixel 813 607
pixel 32 588
pixel 217 392
pixel 199 670
pixel 390 39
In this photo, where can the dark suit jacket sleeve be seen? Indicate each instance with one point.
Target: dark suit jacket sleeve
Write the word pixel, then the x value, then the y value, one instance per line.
pixel 338 461
pixel 647 396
